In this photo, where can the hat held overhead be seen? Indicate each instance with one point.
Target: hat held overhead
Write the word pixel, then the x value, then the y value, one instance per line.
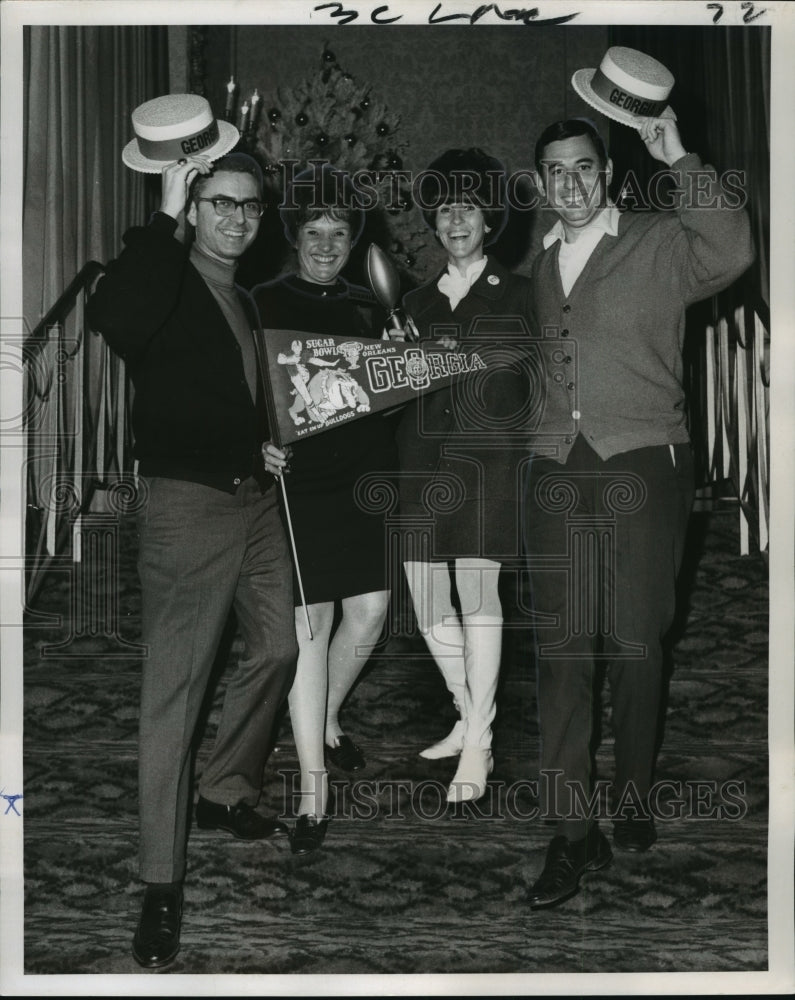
pixel 627 87
pixel 176 125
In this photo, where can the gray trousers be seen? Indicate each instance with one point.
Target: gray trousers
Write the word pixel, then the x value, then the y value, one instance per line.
pixel 201 553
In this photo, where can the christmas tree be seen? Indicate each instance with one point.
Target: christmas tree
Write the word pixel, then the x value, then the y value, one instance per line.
pixel 332 117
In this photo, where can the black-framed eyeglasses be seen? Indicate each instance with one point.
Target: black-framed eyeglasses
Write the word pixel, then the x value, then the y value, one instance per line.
pixel 228 206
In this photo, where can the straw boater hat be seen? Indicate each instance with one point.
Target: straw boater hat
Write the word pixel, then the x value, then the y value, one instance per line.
pixel 628 86
pixel 171 127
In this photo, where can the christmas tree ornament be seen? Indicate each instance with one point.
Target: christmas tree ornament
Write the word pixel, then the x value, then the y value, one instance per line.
pixel 333 115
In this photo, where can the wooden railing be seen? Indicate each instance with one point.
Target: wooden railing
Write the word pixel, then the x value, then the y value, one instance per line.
pixel 76 424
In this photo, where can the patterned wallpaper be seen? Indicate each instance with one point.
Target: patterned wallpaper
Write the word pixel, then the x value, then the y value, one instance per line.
pixel 495 87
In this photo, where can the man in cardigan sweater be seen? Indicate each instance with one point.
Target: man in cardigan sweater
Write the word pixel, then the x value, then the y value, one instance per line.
pixel 610 489
pixel 210 536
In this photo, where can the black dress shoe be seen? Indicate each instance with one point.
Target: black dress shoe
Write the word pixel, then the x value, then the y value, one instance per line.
pixel 346 754
pixel 156 940
pixel 634 834
pixel 566 862
pixel 240 820
pixel 309 833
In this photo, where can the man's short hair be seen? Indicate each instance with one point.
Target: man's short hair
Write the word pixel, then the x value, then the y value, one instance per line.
pixel 232 163
pixel 569 129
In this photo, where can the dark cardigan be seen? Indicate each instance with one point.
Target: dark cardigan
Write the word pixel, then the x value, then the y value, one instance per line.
pixel 462 437
pixel 193 417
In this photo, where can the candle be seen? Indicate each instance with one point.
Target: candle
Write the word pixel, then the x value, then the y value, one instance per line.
pixel 244 117
pixel 230 95
pixel 256 100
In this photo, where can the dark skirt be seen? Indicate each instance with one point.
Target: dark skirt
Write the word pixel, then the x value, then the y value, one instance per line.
pixel 340 488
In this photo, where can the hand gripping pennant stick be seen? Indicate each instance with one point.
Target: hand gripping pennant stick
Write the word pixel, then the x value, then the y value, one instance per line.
pixel 273 422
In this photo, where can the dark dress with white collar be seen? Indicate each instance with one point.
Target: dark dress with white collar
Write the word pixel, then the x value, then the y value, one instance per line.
pixel 341 545
pixel 463 450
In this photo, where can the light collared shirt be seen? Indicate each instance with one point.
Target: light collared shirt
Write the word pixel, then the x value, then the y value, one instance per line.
pixel 573 257
pixel 456 285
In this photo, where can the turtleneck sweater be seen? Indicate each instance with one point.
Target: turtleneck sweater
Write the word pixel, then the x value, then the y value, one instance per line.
pixel 220 279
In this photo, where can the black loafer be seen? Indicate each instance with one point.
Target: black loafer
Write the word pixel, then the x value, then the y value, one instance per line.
pixel 635 835
pixel 156 940
pixel 240 820
pixel 309 833
pixel 346 755
pixel 566 862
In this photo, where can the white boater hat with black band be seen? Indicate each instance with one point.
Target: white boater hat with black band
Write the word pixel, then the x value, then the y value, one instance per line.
pixel 627 87
pixel 171 127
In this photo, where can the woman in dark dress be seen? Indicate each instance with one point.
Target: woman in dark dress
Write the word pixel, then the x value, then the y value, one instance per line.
pixel 462 450
pixel 340 546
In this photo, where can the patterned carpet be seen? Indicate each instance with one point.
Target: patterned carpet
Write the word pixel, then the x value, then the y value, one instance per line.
pixel 403 885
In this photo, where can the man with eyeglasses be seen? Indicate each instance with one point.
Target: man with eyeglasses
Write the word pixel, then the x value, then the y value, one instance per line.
pixel 210 536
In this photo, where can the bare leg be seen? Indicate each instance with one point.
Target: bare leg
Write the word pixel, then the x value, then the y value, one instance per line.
pixel 357 633
pixel 307 700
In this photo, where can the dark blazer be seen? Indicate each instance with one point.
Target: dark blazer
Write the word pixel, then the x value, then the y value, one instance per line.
pixel 472 417
pixel 193 417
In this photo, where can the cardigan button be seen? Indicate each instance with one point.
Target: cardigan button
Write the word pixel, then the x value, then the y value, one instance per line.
pixel 235 482
pixel 564 333
pixel 569 386
pixel 567 308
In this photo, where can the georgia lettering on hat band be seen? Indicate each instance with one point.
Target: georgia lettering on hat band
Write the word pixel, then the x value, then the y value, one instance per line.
pixel 172 149
pixel 634 103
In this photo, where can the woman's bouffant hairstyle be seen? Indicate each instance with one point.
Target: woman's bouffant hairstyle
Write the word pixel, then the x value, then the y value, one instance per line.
pixel 465 175
pixel 318 191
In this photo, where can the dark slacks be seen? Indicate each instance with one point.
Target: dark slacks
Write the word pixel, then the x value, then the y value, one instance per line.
pixel 202 552
pixel 605 542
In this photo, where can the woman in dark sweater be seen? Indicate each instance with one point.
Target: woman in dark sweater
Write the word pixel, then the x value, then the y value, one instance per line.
pixel 462 451
pixel 341 547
